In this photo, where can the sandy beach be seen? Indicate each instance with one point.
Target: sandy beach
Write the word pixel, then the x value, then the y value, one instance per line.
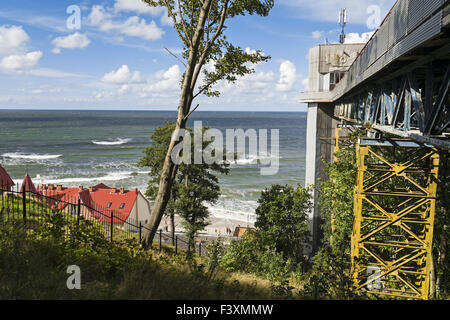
pixel 217 226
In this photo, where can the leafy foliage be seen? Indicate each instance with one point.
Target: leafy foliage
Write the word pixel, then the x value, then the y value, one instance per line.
pixel 274 249
pixel 281 219
pixel 194 184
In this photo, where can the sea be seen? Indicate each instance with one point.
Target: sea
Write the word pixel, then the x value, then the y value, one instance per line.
pixel 84 148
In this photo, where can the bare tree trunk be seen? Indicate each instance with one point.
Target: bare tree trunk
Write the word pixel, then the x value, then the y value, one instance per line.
pixel 169 169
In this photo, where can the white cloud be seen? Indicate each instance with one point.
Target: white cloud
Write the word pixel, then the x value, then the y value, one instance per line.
pixel 72 41
pixel 356 38
pixel 98 15
pixel 122 76
pixel 133 26
pixel 138 6
pixel 288 76
pixel 21 61
pixel 166 81
pixel 250 51
pixel 52 73
pixel 165 19
pixel 12 39
pixel 317 34
pixel 140 28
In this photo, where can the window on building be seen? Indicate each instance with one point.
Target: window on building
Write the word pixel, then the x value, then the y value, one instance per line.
pixel 335 77
pixel 109 205
pixel 122 205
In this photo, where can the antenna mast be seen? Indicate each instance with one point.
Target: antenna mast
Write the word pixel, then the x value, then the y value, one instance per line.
pixel 342 23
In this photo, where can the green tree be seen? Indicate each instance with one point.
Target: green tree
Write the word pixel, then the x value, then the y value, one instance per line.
pixel 154 159
pixel 274 249
pixel 201 27
pixel 282 221
pixel 194 185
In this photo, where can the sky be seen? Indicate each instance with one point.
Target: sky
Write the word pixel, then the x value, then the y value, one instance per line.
pixel 113 57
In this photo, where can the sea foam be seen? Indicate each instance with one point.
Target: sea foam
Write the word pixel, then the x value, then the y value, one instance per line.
pixel 32 156
pixel 119 141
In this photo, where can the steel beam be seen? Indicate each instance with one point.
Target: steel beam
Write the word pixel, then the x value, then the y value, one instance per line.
pixel 394 208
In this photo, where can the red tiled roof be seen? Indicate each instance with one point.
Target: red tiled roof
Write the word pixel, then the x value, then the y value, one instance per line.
pixel 28 184
pixel 60 198
pixel 96 200
pixel 101 186
pixel 5 179
pixel 102 197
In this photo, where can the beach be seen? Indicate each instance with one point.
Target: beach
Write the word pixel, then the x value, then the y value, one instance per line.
pixel 217 226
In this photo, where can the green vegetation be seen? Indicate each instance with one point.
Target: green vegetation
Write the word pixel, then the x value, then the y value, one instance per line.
pixel 33 265
pixel 274 250
pixel 209 58
pixel 194 184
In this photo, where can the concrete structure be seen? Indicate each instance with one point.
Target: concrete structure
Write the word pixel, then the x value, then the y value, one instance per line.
pixel 398 88
pixel 328 64
pixel 396 83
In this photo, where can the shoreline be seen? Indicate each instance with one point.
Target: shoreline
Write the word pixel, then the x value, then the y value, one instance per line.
pixel 217 226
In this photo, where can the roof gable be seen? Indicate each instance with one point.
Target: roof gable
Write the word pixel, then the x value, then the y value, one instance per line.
pixel 5 179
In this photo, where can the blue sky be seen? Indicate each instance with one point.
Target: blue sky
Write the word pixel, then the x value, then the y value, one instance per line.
pixel 116 60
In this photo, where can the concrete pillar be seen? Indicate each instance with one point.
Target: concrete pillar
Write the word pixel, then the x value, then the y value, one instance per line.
pixel 319 147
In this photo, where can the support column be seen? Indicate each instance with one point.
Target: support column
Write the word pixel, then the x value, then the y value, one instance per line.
pixel 394 204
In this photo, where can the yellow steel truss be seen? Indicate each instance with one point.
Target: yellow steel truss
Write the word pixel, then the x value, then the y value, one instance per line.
pixel 394 206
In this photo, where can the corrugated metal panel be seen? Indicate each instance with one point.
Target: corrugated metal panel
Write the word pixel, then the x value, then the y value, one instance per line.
pixel 426 31
pixel 382 40
pixel 400 18
pixel 415 14
pixel 431 6
pixel 390 31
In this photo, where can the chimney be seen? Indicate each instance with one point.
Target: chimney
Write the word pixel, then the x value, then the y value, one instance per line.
pixel 122 190
pixel 59 187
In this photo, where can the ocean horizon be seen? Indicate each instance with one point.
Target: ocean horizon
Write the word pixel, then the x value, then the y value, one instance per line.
pixel 86 147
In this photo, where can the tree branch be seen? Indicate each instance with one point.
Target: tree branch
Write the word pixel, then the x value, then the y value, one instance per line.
pixel 176 57
pixel 170 12
pixel 192 111
pixel 184 23
pixel 209 44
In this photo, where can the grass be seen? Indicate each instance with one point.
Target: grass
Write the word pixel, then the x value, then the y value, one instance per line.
pixel 34 261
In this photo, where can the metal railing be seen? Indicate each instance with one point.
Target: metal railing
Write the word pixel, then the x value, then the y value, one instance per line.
pixel 31 209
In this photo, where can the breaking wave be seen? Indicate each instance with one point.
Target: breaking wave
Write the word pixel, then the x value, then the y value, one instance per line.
pixel 32 156
pixel 119 141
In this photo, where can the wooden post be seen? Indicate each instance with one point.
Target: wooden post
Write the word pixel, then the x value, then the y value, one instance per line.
pixel 140 231
pixel 160 239
pixel 176 244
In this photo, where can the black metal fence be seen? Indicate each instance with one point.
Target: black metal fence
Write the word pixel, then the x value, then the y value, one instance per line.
pixel 30 209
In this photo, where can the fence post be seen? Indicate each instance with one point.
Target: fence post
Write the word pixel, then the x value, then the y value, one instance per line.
pixel 140 231
pixel 176 244
pixel 112 215
pixel 78 211
pixel 200 248
pixel 160 239
pixel 24 206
